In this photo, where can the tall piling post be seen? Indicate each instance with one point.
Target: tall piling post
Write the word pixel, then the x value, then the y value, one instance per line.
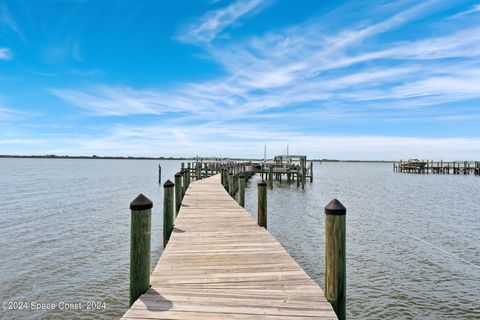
pixel 304 170
pixel 225 178
pixel 262 204
pixel 270 177
pixel 168 210
pixel 311 171
pixel 184 182
pixel 140 228
pixel 159 173
pixel 230 184
pixel 335 257
pixel 298 176
pixel 241 194
pixel 178 192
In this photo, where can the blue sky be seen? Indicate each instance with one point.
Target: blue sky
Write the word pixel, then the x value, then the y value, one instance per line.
pixel 331 79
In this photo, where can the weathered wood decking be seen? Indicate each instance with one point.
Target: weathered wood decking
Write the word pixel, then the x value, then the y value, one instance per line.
pixel 219 264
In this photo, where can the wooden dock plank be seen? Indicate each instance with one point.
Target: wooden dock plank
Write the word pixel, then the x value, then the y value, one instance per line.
pixel 219 264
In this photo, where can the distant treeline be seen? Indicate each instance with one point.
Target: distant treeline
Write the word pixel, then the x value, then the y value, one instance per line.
pixel 53 156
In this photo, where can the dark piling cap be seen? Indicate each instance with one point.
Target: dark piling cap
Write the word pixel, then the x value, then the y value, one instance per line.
pixel 178 174
pixel 262 183
pixel 335 208
pixel 141 203
pixel 230 174
pixel 168 184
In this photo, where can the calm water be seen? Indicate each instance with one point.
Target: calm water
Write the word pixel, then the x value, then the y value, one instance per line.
pixel 413 241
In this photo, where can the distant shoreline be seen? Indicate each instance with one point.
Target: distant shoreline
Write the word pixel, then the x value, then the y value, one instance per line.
pixel 94 157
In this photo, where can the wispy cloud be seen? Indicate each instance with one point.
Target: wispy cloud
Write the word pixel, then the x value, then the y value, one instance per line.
pixel 86 72
pixel 244 140
pixel 7 20
pixel 474 9
pixel 206 28
pixel 308 72
pixel 5 54
pixel 122 101
pixel 299 66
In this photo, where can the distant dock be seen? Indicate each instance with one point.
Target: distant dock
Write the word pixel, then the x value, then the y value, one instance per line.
pixel 437 167
pixel 219 262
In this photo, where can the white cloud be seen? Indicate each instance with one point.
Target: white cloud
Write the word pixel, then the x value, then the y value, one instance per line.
pixel 474 9
pixel 7 20
pixel 116 101
pixel 321 75
pixel 248 141
pixel 294 66
pixel 5 54
pixel 209 26
pixel 20 141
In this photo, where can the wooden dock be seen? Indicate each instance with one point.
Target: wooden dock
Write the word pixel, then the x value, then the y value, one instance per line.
pixel 437 167
pixel 219 264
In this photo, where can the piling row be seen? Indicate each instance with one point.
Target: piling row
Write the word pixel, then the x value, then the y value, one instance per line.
pixel 437 167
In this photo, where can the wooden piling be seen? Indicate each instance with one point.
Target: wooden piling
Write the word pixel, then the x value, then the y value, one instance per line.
pixel 262 204
pixel 184 182
pixel 230 184
pixel 298 176
pixel 140 228
pixel 241 195
pixel 304 172
pixel 270 177
pixel 178 192
pixel 225 178
pixel 311 171
pixel 168 211
pixel 159 173
pixel 335 257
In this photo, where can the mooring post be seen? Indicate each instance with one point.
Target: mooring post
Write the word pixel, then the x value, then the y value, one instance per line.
pixel 270 177
pixel 178 192
pixel 235 183
pixel 298 176
pixel 225 178
pixel 168 211
pixel 262 204
pixel 241 195
pixel 184 182
pixel 140 227
pixel 304 170
pixel 230 184
pixel 159 173
pixel 311 171
pixel 335 257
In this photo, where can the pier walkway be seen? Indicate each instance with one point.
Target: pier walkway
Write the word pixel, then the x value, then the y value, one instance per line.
pixel 219 264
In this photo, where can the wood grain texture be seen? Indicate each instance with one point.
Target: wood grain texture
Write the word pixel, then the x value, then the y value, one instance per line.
pixel 219 264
